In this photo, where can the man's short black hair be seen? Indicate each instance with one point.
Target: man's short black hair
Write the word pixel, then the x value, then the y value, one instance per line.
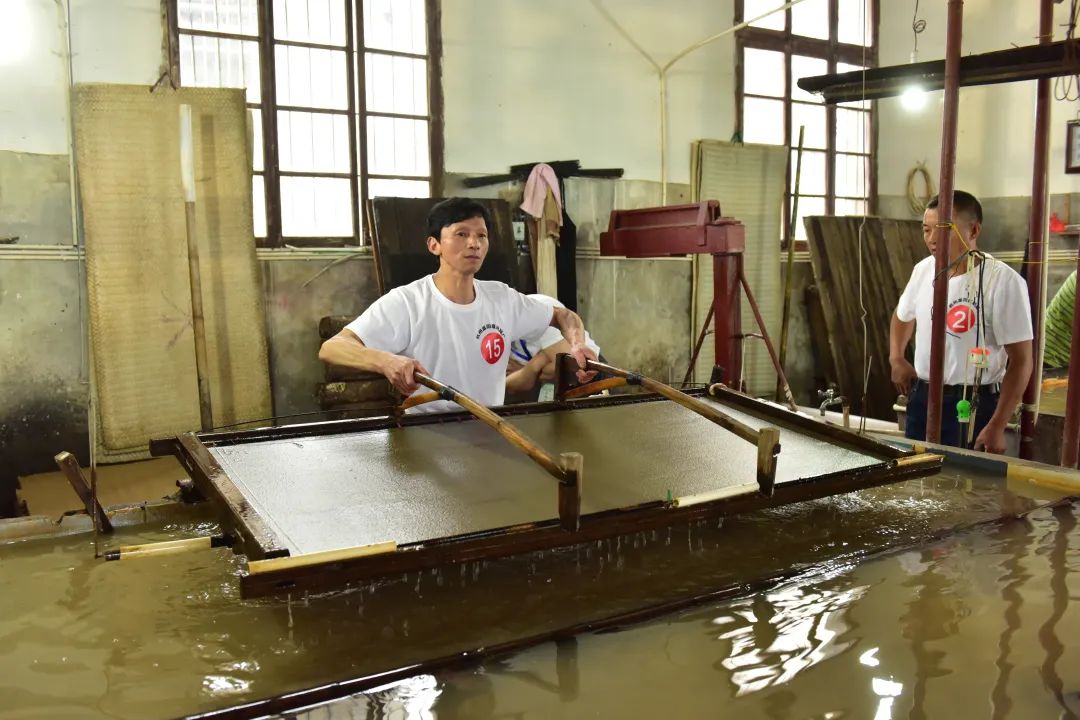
pixel 963 203
pixel 454 210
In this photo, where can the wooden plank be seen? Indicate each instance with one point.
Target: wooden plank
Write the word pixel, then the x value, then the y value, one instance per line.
pixel 70 467
pixel 890 249
pixel 258 539
pixel 339 373
pixel 331 325
pixel 823 354
pixel 371 392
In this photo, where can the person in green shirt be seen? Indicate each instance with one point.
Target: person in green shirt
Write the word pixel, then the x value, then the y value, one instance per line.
pixel 1059 322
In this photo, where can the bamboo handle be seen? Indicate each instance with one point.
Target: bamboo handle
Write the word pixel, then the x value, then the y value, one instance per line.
pixel 421 399
pixel 516 438
pixel 594 387
pixel 732 425
pixel 767 440
pixel 292 562
pixel 168 546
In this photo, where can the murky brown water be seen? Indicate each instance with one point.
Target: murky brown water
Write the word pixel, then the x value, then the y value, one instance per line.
pixel 976 625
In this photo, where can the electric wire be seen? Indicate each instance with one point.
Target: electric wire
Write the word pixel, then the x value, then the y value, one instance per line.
pixel 1067 88
pixel 867 360
pixel 917 27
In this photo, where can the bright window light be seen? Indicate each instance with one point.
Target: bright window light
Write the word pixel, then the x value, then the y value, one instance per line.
pixel 16 31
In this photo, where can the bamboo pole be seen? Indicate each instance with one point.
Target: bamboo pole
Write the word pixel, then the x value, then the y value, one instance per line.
pixel 421 399
pixel 790 265
pixel 567 469
pixel 595 387
pixel 292 562
pixel 168 547
pixel 766 439
pixel 706 411
pixel 198 325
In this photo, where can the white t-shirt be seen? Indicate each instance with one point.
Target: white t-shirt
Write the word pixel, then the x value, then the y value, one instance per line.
pixel 525 350
pixel 1002 318
pixel 464 346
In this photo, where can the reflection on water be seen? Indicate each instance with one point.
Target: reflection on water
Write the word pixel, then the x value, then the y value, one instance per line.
pixel 774 636
pixel 975 625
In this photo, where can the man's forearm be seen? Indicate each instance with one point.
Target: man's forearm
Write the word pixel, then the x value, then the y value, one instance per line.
pixel 570 325
pixel 1012 390
pixel 347 352
pixel 899 336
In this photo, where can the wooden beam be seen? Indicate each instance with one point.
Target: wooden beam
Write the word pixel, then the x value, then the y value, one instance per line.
pixel 70 467
pixel 1030 62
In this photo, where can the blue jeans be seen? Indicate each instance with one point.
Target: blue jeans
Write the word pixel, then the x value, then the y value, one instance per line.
pixel 952 432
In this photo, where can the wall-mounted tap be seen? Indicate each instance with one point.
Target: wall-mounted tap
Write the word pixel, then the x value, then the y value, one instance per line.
pixel 829 399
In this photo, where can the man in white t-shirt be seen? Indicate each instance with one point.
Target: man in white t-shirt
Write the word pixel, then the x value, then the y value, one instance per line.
pixel 987 308
pixel 448 325
pixel 534 362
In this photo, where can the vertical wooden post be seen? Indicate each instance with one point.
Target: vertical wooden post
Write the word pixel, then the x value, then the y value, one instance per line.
pixel 768 447
pixel 570 491
pixel 70 467
pixel 198 326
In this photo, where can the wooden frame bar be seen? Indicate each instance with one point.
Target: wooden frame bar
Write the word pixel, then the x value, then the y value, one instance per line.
pixel 70 467
pixel 766 439
pixel 544 536
pixel 259 542
pixel 257 539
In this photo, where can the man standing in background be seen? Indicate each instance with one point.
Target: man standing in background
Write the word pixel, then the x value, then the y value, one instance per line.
pixel 987 309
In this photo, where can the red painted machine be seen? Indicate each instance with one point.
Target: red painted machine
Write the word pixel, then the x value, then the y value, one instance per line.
pixel 697 229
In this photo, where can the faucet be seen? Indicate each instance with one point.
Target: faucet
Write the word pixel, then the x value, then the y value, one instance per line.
pixel 829 399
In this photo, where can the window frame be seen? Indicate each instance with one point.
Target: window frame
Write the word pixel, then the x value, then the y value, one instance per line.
pixel 356 113
pixel 832 51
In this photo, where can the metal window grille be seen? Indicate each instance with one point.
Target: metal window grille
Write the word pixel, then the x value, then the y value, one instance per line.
pixel 345 104
pixel 814 37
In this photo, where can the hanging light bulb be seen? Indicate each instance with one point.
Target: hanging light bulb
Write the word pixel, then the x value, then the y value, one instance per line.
pixel 913 98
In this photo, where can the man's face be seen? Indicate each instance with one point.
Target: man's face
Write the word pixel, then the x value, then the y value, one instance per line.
pixel 969 230
pixel 461 246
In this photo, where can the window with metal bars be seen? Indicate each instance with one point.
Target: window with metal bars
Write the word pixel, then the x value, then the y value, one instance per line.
pixel 344 104
pixel 814 37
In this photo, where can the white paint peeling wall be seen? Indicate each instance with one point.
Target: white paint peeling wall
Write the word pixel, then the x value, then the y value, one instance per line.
pixel 115 41
pixel 529 81
pixel 996 122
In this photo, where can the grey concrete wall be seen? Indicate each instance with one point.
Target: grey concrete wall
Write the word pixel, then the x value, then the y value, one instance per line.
pixel 298 294
pixel 43 374
pixel 639 312
pixel 43 390
pixel 35 199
